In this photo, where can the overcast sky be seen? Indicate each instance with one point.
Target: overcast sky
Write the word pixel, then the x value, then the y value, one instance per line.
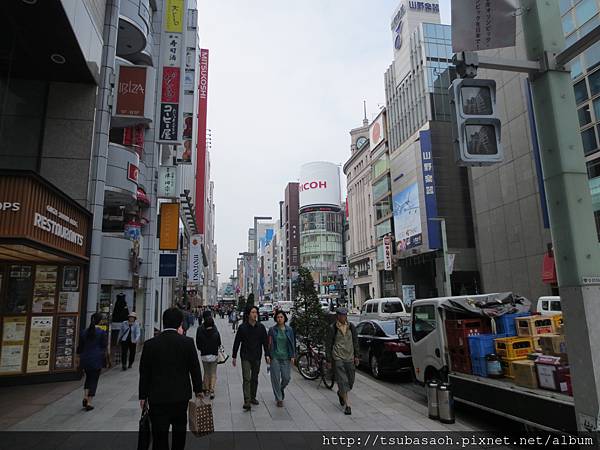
pixel 286 83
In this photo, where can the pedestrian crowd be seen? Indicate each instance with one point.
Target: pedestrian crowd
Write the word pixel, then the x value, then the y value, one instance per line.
pixel 171 373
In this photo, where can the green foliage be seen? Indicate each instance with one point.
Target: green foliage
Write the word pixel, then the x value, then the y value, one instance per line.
pixel 309 319
pixel 241 304
pixel 249 302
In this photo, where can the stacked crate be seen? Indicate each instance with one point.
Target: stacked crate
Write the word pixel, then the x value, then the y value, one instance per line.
pixel 534 327
pixel 511 349
pixel 457 334
pixel 479 347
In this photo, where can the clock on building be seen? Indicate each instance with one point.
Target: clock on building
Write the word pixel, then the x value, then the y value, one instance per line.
pixel 361 142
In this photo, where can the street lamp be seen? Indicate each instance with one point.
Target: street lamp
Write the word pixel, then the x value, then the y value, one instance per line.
pixel 256 219
pixel 248 281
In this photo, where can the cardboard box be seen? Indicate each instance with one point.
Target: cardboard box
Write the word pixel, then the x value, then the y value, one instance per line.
pixel 552 374
pixel 553 344
pixel 524 373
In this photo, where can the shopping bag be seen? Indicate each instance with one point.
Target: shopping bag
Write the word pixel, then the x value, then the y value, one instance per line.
pixel 222 357
pixel 144 431
pixel 200 417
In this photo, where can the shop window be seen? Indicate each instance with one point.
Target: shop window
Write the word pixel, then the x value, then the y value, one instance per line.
pixel 581 93
pixel 588 138
pixel 18 290
pixel 584 115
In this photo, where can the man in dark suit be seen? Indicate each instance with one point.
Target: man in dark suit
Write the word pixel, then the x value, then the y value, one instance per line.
pixel 167 363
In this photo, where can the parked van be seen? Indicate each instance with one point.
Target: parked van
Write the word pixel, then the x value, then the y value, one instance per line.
pixel 549 306
pixel 384 309
pixel 285 306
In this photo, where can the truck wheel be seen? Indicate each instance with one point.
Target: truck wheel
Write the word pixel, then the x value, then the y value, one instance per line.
pixel 374 364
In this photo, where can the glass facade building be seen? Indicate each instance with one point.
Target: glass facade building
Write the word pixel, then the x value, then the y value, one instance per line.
pixel 321 243
pixel 579 17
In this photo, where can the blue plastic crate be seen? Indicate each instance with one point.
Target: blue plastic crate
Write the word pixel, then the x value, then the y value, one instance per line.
pixel 506 324
pixel 483 344
pixel 479 366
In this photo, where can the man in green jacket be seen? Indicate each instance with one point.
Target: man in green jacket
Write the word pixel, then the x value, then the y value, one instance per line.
pixel 341 350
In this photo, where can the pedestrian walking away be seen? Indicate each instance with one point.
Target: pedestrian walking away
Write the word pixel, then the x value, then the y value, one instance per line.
pixel 92 356
pixel 129 336
pixel 168 362
pixel 282 348
pixel 233 319
pixel 341 350
pixel 208 341
pixel 252 337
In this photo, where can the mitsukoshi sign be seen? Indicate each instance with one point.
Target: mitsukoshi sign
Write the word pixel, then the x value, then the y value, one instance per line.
pixel 320 185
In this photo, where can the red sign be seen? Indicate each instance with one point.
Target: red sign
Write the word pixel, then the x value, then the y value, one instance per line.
pixel 376 132
pixel 549 270
pixel 134 137
pixel 313 185
pixel 170 84
pixel 201 144
pixel 131 92
pixel 132 172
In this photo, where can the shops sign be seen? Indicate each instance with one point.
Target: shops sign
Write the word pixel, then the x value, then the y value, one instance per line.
pixel 9 206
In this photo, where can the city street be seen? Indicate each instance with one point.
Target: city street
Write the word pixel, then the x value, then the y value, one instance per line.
pixel 387 405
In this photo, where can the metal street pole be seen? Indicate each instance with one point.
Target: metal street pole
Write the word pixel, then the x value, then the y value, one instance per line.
pixel 447 282
pixel 569 203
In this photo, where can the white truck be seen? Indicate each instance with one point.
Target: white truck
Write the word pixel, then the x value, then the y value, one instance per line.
pixel 537 408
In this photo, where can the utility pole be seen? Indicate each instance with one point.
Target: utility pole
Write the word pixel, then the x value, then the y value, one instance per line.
pixel 569 203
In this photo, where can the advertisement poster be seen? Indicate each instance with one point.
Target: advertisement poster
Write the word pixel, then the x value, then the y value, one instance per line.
pixel 68 302
pixel 407 218
pixel 13 342
pixel 70 278
pixel 40 344
pixel 19 289
pixel 65 342
pixel 188 129
pixel 44 289
pixel 408 294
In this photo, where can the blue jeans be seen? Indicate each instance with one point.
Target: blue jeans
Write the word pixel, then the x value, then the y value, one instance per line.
pixel 280 376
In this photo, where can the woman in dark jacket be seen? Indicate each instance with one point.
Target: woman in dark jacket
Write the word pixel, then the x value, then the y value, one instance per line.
pixel 208 341
pixel 92 356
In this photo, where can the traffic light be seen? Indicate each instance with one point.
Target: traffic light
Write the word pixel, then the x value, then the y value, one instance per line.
pixel 475 124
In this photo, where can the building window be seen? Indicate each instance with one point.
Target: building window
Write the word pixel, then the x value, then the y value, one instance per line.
pixel 581 93
pixel 593 168
pixel 381 187
pixel 588 138
pixel 381 165
pixel 565 5
pixel 383 208
pixel 568 24
pixel 597 219
pixel 584 115
pixel 585 10
pixel 383 228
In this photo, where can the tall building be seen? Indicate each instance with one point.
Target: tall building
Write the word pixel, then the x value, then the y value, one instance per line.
pixel 321 225
pixel 361 250
pixel 93 149
pixel 426 184
pixel 290 212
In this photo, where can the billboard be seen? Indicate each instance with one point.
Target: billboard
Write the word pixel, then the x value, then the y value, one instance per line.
pixel 167 265
pixel 320 185
pixel 377 131
pixel 201 141
pixel 131 91
pixel 407 218
pixel 195 260
pixel 169 226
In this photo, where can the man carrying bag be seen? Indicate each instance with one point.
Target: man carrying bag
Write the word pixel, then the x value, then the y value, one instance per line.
pixel 168 362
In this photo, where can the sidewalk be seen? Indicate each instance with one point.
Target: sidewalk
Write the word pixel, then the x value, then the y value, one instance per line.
pixel 308 406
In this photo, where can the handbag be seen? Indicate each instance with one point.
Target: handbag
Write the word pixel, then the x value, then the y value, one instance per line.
pixel 200 417
pixel 222 357
pixel 144 430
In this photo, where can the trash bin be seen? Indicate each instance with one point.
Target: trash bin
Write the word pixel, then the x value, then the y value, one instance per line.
pixel 432 399
pixel 445 403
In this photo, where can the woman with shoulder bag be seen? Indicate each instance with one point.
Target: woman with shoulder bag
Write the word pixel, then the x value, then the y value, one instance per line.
pixel 92 352
pixel 208 341
pixel 282 347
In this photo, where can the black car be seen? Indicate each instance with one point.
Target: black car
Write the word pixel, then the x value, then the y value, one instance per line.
pixel 382 348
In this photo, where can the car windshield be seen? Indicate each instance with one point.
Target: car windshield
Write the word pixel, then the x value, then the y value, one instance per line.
pixel 388 327
pixel 393 307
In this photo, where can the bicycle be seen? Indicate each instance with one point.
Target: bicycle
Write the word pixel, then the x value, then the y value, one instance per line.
pixel 312 365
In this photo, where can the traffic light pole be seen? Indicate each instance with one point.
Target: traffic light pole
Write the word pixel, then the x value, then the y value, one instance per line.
pixel 569 204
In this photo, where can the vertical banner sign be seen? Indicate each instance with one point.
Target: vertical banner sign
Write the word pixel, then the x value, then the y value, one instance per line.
pixel 483 24
pixel 131 91
pixel 169 226
pixel 387 253
pixel 195 260
pixel 169 123
pixel 201 144
pixel 433 228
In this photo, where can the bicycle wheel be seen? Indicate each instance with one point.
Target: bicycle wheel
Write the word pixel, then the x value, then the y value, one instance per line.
pixel 327 375
pixel 308 366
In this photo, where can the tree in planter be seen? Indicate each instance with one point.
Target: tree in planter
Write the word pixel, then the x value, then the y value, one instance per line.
pixel 309 319
pixel 241 304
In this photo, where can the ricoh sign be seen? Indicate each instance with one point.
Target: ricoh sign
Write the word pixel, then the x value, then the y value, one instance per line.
pixel 320 185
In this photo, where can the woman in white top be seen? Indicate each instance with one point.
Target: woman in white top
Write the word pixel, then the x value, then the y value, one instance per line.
pixel 208 341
